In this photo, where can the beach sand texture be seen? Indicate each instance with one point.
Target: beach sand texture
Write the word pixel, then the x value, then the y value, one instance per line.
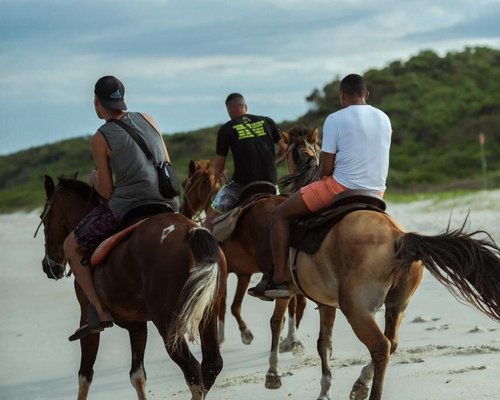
pixel 447 349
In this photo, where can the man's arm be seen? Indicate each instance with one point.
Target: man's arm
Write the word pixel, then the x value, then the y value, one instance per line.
pixel 101 153
pixel 155 125
pixel 220 164
pixel 280 156
pixel 326 164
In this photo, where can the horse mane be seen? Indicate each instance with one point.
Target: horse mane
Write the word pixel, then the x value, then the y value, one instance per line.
pixel 306 172
pixel 82 189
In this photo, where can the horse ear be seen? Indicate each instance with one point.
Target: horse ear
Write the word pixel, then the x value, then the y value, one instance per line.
pixel 285 136
pixel 49 186
pixel 313 136
pixel 192 167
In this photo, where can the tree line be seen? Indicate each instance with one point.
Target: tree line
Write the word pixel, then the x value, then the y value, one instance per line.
pixel 438 107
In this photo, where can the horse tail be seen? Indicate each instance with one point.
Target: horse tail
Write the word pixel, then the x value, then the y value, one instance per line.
pixel 468 267
pixel 199 292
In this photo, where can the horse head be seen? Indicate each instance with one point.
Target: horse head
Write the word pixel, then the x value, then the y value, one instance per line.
pixel 304 142
pixel 65 205
pixel 199 187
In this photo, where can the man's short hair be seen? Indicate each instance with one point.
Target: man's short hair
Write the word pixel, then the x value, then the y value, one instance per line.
pixel 354 85
pixel 235 99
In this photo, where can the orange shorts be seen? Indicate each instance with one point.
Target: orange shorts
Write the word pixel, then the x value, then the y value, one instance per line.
pixel 320 194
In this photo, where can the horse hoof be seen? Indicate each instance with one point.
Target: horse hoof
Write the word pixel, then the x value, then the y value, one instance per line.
pixel 285 346
pixel 298 349
pixel 273 381
pixel 246 336
pixel 359 391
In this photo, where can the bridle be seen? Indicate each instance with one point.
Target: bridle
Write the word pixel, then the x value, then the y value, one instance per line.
pixel 193 182
pixel 50 262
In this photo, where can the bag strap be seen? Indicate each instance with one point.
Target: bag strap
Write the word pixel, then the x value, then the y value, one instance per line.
pixel 137 138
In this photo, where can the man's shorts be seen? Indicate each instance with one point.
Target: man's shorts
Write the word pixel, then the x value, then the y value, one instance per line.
pixel 227 198
pixel 320 194
pixel 97 225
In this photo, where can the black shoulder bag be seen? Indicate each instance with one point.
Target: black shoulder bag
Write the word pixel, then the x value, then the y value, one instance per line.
pixel 168 184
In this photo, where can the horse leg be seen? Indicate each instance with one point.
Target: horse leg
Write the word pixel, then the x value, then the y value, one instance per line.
pixel 324 346
pixel 89 346
pixel 366 329
pixel 221 314
pixel 241 288
pixel 299 309
pixel 396 302
pixel 211 364
pixel 291 342
pixel 273 378
pixel 138 334
pixel 190 367
pixel 393 318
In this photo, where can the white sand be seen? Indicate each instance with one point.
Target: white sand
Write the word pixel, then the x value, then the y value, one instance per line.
pixel 447 350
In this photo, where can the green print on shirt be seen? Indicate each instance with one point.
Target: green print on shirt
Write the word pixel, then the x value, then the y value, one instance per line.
pixel 245 133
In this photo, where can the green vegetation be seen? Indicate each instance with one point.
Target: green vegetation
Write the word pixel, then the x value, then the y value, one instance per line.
pixel 438 107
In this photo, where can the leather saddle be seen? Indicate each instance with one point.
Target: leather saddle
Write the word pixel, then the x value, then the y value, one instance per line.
pixel 129 224
pixel 225 224
pixel 307 234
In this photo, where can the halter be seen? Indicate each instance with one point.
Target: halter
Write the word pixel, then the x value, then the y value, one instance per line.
pixel 191 184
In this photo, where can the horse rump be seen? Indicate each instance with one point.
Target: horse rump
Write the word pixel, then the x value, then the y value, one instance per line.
pixel 199 292
pixel 467 266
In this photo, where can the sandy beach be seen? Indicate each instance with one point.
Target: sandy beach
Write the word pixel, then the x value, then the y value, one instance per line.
pixel 447 349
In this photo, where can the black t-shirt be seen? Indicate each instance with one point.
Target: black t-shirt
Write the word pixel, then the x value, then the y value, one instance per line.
pixel 251 139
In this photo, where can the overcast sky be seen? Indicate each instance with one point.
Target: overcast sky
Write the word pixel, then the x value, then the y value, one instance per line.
pixel 179 59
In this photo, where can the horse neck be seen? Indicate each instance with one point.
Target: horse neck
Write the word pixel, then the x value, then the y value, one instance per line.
pixel 72 207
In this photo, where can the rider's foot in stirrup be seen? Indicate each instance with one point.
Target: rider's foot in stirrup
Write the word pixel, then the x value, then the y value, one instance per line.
pixel 277 290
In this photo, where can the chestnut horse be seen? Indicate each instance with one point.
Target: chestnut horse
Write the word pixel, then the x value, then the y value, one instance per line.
pixel 246 253
pixel 168 271
pixel 367 261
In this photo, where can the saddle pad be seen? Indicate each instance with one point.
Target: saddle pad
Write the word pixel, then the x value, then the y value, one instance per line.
pixel 108 244
pixel 307 235
pixel 225 224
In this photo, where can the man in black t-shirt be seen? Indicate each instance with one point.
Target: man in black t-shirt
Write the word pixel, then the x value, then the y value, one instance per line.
pixel 252 141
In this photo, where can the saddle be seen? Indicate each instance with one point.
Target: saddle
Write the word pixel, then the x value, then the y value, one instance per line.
pixel 225 224
pixel 307 234
pixel 129 224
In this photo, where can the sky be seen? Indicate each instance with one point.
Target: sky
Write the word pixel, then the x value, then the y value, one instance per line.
pixel 179 59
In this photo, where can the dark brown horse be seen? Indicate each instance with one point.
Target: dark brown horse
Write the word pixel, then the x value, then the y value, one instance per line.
pixel 366 261
pixel 168 271
pixel 247 253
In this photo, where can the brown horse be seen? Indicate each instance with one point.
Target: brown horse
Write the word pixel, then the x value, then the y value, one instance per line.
pixel 247 253
pixel 168 271
pixel 367 261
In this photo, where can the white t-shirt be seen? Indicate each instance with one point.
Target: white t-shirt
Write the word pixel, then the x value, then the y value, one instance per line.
pixel 360 138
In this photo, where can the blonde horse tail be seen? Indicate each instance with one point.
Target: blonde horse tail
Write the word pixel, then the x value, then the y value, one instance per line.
pixel 198 295
pixel 468 267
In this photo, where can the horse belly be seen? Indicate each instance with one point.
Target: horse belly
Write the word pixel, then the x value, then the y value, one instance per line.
pixel 316 278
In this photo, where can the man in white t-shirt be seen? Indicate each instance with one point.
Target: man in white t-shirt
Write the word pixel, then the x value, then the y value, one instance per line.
pixel 354 155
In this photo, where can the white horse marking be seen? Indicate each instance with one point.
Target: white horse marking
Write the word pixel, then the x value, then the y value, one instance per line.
pixel 166 231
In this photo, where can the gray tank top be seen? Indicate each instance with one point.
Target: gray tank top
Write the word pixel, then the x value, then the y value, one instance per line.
pixel 135 177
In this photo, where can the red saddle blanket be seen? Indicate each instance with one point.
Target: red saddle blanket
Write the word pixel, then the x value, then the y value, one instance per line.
pixel 107 245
